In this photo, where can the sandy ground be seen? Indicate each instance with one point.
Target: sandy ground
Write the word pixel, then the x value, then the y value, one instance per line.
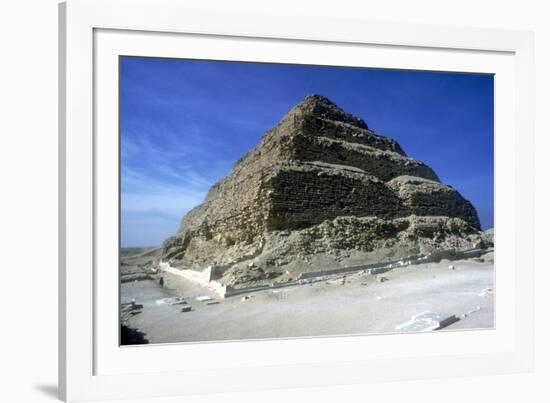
pixel 362 305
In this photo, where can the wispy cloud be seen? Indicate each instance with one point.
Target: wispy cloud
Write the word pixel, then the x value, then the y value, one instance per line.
pixel 146 193
pixel 152 206
pixel 159 184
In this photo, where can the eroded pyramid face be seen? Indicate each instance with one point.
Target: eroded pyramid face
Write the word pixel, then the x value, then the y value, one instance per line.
pixel 318 164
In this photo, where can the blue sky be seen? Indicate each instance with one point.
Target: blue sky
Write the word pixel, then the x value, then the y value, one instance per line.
pixel 184 123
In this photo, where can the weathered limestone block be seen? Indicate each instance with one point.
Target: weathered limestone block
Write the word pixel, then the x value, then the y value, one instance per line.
pixel 318 116
pixel 430 198
pixel 383 164
pixel 302 195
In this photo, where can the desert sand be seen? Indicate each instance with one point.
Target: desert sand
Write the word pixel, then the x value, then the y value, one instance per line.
pixel 355 304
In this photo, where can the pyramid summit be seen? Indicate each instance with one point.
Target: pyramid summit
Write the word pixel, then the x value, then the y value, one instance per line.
pixel 322 106
pixel 320 189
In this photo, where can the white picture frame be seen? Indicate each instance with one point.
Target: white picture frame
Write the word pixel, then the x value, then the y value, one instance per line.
pixel 92 366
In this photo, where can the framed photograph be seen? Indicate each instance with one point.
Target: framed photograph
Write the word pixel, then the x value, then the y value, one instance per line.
pixel 255 201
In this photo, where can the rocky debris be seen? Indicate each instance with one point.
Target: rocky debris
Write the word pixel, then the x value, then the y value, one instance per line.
pixel 320 189
pixel 244 273
pixel 128 334
pixel 470 312
pixel 487 292
pixel 350 241
pixel 130 309
pixel 126 278
pixel 171 301
pixel 427 321
pixel 488 237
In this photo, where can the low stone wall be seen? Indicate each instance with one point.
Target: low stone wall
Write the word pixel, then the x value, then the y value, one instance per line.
pixel 203 278
pixel 349 269
pixel 376 268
